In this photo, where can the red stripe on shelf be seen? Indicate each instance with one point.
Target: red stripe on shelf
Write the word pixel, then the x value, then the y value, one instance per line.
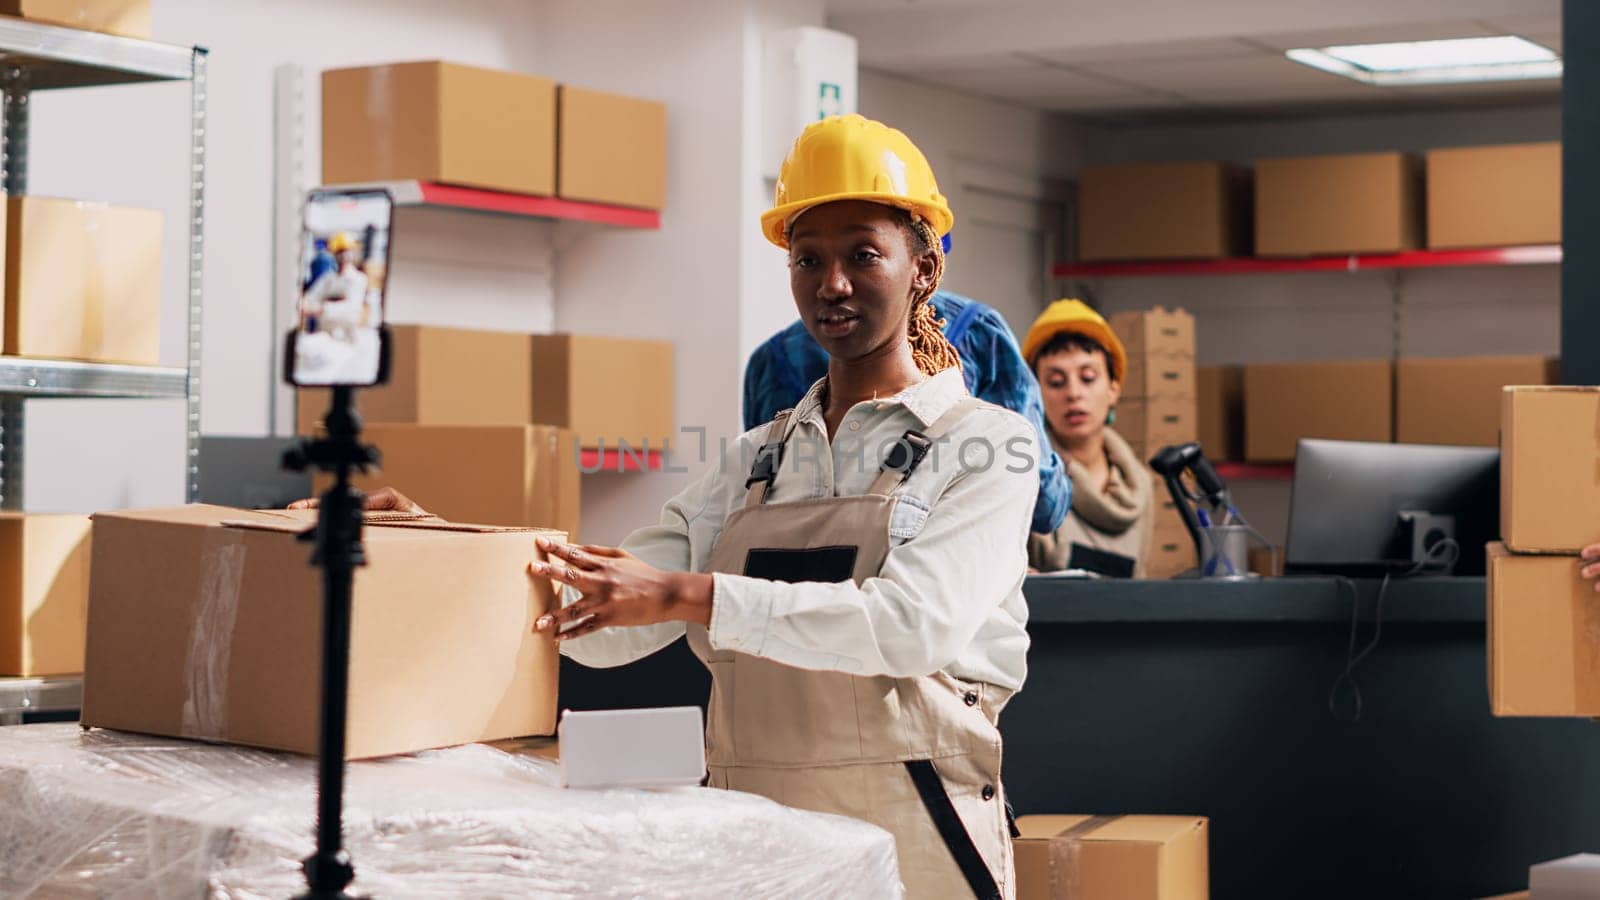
pixel 450 195
pixel 1413 259
pixel 613 460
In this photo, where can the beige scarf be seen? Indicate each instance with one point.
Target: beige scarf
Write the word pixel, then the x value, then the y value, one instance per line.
pixel 1116 519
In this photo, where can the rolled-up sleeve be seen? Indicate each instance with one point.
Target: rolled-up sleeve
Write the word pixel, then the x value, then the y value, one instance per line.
pixel 932 595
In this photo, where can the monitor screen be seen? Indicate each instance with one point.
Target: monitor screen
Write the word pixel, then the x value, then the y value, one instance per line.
pixel 1344 512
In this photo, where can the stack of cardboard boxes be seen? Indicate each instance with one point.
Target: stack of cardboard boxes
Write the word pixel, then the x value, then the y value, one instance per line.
pixel 492 427
pixel 1544 617
pixel 500 131
pixel 1157 410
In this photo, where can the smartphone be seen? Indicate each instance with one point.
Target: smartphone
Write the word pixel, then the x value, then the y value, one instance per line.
pixel 339 338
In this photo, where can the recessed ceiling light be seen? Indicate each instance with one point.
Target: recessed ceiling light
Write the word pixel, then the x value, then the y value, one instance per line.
pixel 1503 58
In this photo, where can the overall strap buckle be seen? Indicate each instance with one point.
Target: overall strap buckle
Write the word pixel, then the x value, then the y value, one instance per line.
pixel 907 453
pixel 768 459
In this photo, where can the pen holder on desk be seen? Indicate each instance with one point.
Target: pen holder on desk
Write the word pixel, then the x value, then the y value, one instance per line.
pixel 1227 552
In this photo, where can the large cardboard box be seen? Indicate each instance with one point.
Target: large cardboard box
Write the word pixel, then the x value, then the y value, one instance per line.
pixel 613 149
pixel 129 18
pixel 44 593
pixel 1345 401
pixel 438 121
pixel 1179 210
pixel 1159 332
pixel 1219 414
pixel 1157 422
pixel 1494 196
pixel 1550 468
pixel 83 281
pixel 1360 203
pixel 1171 553
pixel 1112 858
pixel 206 622
pixel 606 389
pixel 1456 401
pixel 1544 636
pixel 442 376
pixel 514 475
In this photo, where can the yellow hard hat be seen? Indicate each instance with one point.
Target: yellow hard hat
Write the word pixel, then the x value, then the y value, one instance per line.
pixel 1075 317
pixel 854 158
pixel 341 242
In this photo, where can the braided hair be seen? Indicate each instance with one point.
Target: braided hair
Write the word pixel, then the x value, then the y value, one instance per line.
pixel 931 351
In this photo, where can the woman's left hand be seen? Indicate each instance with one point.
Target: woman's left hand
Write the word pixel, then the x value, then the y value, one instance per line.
pixel 618 590
pixel 1591 564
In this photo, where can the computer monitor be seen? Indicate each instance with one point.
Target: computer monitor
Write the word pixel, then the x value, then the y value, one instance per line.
pixel 1345 508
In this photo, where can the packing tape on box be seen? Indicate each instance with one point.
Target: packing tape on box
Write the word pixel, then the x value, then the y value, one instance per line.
pixel 1065 849
pixel 380 116
pixel 216 610
pixel 94 302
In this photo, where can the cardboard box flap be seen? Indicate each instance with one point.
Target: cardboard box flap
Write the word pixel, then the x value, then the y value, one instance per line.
pixel 1146 829
pixel 1127 829
pixel 1044 827
pixel 1552 388
pixel 442 525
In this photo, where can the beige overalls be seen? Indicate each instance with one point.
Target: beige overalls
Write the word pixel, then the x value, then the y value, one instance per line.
pixel 919 757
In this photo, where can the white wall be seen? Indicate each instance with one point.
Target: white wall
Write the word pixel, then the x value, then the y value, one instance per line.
pixel 1277 318
pixel 1003 168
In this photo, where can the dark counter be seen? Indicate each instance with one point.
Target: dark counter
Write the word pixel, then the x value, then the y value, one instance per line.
pixel 1212 698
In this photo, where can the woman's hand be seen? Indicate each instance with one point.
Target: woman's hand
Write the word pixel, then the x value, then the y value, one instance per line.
pixel 1591 560
pixel 381 499
pixel 618 590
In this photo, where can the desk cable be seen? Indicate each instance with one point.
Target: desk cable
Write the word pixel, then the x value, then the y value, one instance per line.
pixel 1440 557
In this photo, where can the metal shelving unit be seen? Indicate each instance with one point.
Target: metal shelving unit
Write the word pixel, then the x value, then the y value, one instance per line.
pixel 35 57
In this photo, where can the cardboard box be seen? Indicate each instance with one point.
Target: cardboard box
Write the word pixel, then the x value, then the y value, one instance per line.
pixel 512 475
pixel 437 121
pixel 606 389
pixel 1159 377
pixel 1494 196
pixel 442 376
pixel 83 281
pixel 1544 636
pixel 613 149
pixel 1181 210
pixel 1219 412
pixel 1157 422
pixel 1158 332
pixel 1456 401
pixel 1112 858
pixel 1267 561
pixel 44 593
pixel 1171 553
pixel 1575 877
pixel 205 622
pixel 1550 469
pixel 1316 205
pixel 129 18
pixel 1345 401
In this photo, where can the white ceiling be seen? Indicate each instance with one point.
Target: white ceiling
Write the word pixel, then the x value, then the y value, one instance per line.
pixel 1140 61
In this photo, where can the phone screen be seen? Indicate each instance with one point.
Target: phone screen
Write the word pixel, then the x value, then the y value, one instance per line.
pixel 344 264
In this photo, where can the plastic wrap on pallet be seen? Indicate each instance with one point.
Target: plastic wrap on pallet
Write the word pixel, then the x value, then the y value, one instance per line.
pixel 108 814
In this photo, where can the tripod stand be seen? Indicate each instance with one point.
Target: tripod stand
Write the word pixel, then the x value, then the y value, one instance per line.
pixel 338 552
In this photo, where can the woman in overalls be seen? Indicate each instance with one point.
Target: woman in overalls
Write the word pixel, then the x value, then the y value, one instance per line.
pixel 851 573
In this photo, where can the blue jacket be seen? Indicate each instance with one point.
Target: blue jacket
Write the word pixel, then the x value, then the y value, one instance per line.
pixel 784 368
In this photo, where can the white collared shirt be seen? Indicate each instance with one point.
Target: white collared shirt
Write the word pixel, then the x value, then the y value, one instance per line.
pixel 949 595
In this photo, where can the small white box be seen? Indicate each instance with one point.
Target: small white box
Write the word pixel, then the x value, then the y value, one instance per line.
pixel 633 748
pixel 1571 878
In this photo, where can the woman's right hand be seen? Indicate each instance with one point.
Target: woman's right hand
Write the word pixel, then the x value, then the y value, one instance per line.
pixel 381 499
